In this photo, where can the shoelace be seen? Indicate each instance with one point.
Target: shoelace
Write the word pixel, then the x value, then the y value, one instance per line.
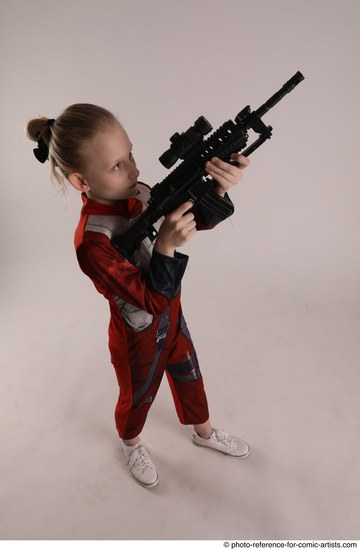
pixel 224 437
pixel 139 455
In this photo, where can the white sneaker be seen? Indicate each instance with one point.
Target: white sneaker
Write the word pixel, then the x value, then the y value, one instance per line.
pixel 140 464
pixel 223 442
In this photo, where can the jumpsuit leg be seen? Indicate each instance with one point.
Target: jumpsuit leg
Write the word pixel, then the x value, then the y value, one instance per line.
pixel 178 359
pixel 139 377
pixel 185 379
pixel 130 416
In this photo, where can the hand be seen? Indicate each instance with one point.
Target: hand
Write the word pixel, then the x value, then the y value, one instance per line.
pixel 177 228
pixel 227 175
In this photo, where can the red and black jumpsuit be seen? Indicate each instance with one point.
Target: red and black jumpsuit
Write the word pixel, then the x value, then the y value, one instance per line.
pixel 147 332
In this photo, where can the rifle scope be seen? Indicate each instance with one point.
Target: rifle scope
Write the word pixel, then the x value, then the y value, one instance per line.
pixel 182 144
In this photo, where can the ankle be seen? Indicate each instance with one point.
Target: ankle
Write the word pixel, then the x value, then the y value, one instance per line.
pixel 131 442
pixel 206 435
pixel 204 430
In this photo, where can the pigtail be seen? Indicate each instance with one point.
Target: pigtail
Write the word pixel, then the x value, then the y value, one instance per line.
pixel 41 130
pixel 36 128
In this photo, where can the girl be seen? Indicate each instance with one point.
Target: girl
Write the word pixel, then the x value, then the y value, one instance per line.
pixel 148 334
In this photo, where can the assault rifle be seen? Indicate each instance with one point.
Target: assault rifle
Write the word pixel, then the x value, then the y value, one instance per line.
pixel 189 181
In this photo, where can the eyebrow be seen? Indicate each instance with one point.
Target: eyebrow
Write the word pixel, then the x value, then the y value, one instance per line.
pixel 118 160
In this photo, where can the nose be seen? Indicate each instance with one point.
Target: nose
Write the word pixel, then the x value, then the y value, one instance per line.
pixel 133 172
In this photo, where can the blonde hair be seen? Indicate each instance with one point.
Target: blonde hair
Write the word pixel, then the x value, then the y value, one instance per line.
pixel 66 137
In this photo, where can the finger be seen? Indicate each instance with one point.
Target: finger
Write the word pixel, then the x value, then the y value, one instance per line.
pixel 180 211
pixel 243 161
pixel 190 226
pixel 185 223
pixel 223 168
pixel 187 217
pixel 190 233
pixel 230 176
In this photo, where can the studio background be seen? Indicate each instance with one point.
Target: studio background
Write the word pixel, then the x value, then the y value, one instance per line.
pixel 271 296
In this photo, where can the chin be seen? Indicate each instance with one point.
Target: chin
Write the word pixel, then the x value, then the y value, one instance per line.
pixel 133 191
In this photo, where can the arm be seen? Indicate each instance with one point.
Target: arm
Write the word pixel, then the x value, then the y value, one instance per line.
pixel 113 275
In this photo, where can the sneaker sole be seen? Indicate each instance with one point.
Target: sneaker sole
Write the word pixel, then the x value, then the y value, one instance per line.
pixel 219 451
pixel 148 485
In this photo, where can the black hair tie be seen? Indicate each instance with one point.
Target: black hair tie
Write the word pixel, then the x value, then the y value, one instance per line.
pixel 42 151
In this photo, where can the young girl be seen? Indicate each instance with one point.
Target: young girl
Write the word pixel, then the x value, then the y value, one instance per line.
pixel 148 335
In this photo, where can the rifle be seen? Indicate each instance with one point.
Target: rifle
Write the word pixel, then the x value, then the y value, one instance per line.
pixel 189 181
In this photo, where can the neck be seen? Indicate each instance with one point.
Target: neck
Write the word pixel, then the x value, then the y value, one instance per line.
pixel 102 200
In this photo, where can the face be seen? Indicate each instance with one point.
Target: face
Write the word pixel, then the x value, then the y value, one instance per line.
pixel 111 173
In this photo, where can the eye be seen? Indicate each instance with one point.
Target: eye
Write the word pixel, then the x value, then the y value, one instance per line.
pixel 117 166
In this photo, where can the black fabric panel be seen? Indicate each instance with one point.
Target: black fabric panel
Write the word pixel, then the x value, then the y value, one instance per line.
pixel 165 273
pixel 206 216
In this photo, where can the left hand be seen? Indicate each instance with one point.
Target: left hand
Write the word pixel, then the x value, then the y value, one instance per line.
pixel 227 175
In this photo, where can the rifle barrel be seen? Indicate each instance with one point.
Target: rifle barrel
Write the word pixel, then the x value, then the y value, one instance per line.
pixel 285 89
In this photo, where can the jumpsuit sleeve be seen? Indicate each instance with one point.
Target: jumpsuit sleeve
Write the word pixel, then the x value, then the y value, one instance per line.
pixel 113 275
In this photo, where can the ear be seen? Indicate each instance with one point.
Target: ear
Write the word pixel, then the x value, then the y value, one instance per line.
pixel 78 181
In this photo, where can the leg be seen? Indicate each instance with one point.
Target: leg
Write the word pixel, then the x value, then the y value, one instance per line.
pixel 132 441
pixel 138 384
pixel 186 382
pixel 130 419
pixel 187 387
pixel 204 430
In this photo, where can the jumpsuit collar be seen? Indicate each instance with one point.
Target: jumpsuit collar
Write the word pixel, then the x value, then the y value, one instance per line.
pixel 129 208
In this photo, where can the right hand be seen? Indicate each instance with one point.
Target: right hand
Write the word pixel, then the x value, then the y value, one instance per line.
pixel 177 228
